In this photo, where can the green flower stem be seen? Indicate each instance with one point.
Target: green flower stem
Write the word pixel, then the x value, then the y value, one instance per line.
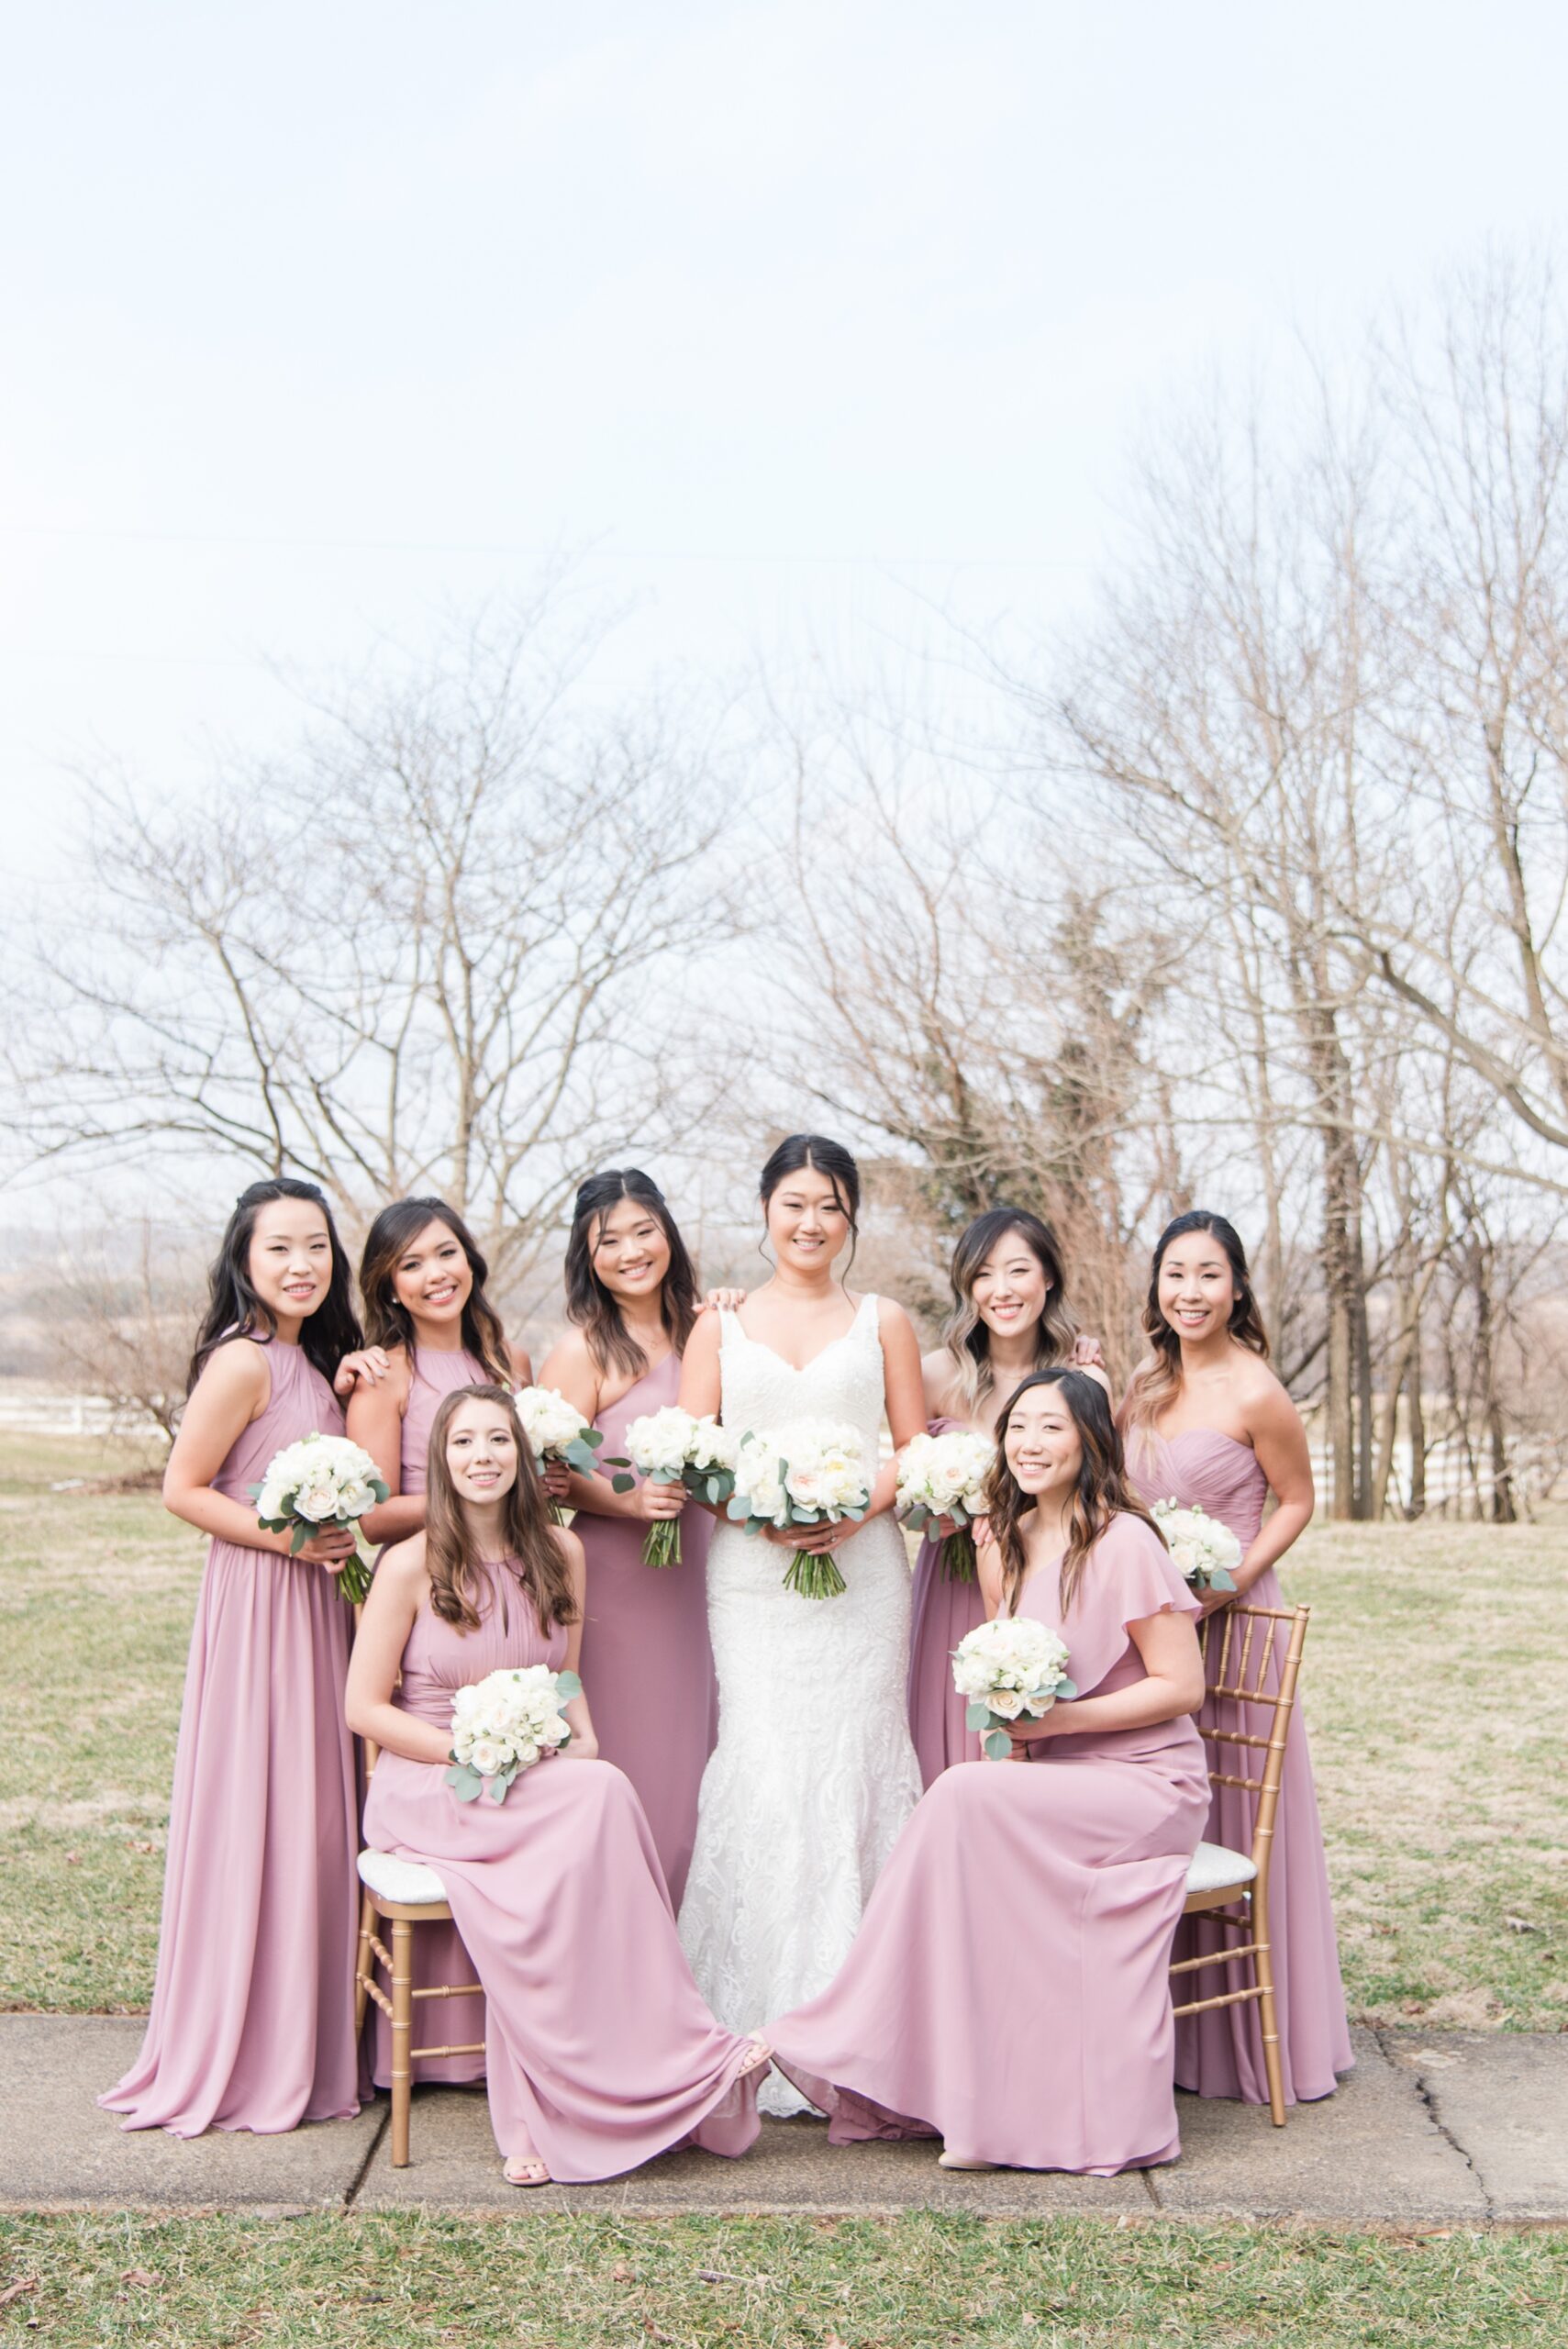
pixel 814 1575
pixel 662 1546
pixel 958 1555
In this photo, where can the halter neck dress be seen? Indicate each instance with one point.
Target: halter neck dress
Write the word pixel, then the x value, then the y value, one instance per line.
pixel 1009 1987
pixel 252 2020
pixel 439 1957
pixel 1221 2053
pixel 647 1664
pixel 599 2050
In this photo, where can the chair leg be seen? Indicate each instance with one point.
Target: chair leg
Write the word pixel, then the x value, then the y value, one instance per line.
pixel 1273 2071
pixel 362 1962
pixel 402 2036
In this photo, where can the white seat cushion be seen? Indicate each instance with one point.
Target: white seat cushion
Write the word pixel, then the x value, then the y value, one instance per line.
pixel 408 1881
pixel 1213 1867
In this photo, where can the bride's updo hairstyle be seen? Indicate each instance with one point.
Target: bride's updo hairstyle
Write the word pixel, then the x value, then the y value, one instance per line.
pixel 823 1157
pixel 1155 1382
pixel 531 1553
pixel 1102 1490
pixel 966 1337
pixel 590 1305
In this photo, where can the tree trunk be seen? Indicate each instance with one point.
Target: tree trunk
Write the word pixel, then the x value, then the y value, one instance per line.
pixel 1415 1421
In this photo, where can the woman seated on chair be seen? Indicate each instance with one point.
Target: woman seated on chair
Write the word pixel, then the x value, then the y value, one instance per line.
pixel 600 2053
pixel 1008 1990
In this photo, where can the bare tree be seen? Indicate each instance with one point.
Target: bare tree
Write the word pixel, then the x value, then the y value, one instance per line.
pixel 421 952
pixel 124 1307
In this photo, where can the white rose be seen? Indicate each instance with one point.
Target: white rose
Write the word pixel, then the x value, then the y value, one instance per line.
pixel 487 1757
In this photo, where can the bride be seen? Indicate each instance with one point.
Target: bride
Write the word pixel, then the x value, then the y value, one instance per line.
pixel 813 1773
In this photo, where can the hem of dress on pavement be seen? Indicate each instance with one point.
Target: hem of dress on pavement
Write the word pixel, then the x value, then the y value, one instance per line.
pixel 861 2119
pixel 733 2110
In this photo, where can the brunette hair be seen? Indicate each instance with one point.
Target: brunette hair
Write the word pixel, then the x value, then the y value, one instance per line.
pixel 1155 1382
pixel 389 1322
pixel 823 1157
pixel 234 1309
pixel 530 1548
pixel 965 1335
pixel 1101 1493
pixel 591 1305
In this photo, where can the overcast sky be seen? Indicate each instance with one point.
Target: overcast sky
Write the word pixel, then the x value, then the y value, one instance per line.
pixel 318 316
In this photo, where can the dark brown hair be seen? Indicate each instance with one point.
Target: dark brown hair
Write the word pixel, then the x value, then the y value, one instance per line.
pixel 1155 1382
pixel 966 1337
pixel 388 1322
pixel 590 1305
pixel 1101 1493
pixel 528 1539
pixel 234 1309
pixel 823 1157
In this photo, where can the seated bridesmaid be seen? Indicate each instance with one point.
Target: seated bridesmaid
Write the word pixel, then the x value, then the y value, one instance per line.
pixel 252 2022
pixel 1009 1316
pixel 1008 1990
pixel 599 2052
pixel 1206 1423
pixel 431 1328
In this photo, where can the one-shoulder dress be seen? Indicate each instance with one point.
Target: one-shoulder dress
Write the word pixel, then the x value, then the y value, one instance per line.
pixel 1009 1989
pixel 1221 2053
pixel 599 2050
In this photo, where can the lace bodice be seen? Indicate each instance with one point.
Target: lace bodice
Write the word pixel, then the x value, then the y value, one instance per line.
pixel 813 1773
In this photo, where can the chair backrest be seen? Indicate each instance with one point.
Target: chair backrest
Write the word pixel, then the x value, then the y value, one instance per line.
pixel 1251 1661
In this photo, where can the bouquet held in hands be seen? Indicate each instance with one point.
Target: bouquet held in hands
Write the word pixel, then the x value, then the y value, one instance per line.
pixel 945 1475
pixel 673 1447
pixel 556 1430
pixel 810 1474
pixel 505 1723
pixel 321 1480
pixel 1007 1669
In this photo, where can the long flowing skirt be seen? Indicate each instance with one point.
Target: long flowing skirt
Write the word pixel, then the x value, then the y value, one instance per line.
pixel 599 2050
pixel 944 1613
pixel 1008 1990
pixel 252 2021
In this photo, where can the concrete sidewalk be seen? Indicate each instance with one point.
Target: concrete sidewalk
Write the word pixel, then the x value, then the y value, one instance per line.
pixel 1461 2128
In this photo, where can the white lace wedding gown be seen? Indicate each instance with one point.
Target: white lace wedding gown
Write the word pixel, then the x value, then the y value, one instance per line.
pixel 813 1773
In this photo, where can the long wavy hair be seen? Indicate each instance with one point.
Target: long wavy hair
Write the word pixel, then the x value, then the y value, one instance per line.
pixel 388 1322
pixel 590 1305
pixel 1155 1383
pixel 234 1309
pixel 965 1335
pixel 823 1157
pixel 530 1550
pixel 1101 1493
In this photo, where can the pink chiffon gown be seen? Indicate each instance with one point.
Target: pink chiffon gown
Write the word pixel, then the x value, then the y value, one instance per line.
pixel 1221 2053
pixel 252 2021
pixel 942 1612
pixel 601 2052
pixel 647 1666
pixel 1008 1990
pixel 439 1954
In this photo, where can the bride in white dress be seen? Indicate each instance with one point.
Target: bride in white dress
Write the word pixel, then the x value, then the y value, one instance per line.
pixel 813 1773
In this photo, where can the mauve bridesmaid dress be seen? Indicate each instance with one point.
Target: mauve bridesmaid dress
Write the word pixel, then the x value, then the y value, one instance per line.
pixel 647 1666
pixel 439 1954
pixel 1009 1990
pixel 600 2050
pixel 252 2021
pixel 1221 2053
pixel 942 1612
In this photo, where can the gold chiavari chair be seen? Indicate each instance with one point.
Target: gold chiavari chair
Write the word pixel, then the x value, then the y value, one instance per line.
pixel 1252 1669
pixel 401 1894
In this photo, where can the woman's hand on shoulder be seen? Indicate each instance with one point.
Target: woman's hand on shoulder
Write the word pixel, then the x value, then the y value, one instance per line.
pixel 723 1300
pixel 366 1366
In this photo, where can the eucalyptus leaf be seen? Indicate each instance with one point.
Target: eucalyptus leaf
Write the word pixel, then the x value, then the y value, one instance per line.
pixel 976 1715
pixel 998 1746
pixel 568 1685
pixel 623 1483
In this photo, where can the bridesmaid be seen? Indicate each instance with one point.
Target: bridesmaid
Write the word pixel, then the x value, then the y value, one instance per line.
pixel 1010 1317
pixel 431 1329
pixel 1009 1990
pixel 1208 1423
pixel 631 1295
pixel 600 2054
pixel 252 2022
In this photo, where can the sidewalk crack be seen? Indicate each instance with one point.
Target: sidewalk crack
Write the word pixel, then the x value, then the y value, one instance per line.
pixel 1428 2096
pixel 1148 2177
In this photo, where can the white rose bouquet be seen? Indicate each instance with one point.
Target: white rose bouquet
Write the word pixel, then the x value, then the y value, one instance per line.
pixel 673 1447
pixel 1012 1666
pixel 321 1480
pixel 945 1475
pixel 504 1723
pixel 1204 1550
pixel 811 1474
pixel 556 1430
